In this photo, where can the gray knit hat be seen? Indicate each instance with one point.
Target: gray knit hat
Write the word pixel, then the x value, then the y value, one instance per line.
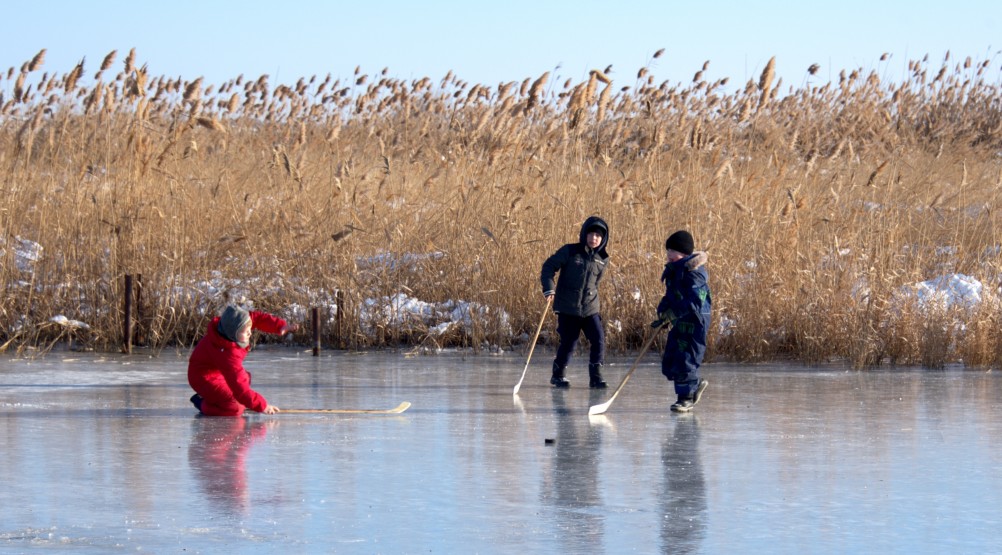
pixel 231 321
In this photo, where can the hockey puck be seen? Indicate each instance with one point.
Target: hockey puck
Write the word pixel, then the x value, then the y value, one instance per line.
pixel 548 441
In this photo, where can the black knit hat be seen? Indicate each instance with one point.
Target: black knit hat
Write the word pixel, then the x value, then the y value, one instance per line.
pixel 680 241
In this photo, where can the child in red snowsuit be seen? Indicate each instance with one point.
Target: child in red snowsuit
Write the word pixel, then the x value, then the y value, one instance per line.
pixel 215 369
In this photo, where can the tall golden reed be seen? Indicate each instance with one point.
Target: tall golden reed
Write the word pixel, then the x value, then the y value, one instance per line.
pixel 820 209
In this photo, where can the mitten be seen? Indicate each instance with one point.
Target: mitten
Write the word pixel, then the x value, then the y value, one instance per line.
pixel 665 317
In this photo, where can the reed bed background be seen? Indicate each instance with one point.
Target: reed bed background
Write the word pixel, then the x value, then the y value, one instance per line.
pixel 818 205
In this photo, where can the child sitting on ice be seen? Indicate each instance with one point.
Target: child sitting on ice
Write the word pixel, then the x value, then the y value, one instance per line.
pixel 215 369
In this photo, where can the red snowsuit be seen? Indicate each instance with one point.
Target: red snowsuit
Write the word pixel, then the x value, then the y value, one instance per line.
pixel 216 371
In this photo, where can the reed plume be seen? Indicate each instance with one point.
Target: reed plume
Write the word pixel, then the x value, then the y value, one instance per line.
pixel 37 61
pixel 19 87
pixel 601 76
pixel 210 123
pixel 536 90
pixel 70 84
pixel 108 60
pixel 193 91
pixel 130 61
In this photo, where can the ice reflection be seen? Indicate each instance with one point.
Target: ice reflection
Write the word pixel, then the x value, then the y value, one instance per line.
pixel 217 456
pixel 683 492
pixel 572 485
pixel 105 455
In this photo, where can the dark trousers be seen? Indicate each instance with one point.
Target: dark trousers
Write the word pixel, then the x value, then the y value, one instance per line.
pixel 570 327
pixel 683 356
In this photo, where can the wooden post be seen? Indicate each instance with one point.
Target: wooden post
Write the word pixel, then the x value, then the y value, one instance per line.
pixel 127 321
pixel 139 336
pixel 339 320
pixel 316 331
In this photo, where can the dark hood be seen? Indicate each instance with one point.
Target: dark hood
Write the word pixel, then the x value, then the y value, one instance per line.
pixel 592 221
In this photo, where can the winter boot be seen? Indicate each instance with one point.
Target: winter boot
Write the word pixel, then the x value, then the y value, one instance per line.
pixel 685 403
pixel 595 380
pixel 699 391
pixel 558 377
pixel 196 400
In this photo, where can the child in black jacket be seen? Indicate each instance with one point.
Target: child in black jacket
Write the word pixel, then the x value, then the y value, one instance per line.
pixel 575 298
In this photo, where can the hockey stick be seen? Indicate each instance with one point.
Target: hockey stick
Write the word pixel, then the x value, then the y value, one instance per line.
pixel 549 301
pixel 395 410
pixel 601 408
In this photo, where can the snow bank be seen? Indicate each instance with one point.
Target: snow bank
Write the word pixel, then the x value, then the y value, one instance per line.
pixel 73 324
pixel 401 310
pixel 947 291
pixel 26 253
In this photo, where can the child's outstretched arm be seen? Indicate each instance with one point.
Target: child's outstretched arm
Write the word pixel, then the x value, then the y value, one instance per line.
pixel 268 323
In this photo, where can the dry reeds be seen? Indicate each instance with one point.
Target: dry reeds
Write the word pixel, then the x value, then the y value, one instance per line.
pixel 818 208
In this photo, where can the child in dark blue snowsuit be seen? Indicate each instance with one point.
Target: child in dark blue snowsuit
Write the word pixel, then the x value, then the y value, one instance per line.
pixel 575 298
pixel 686 306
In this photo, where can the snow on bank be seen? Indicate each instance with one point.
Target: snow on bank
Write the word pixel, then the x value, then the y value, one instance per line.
pixel 399 311
pixel 403 311
pixel 68 323
pixel 26 253
pixel 946 292
pixel 413 315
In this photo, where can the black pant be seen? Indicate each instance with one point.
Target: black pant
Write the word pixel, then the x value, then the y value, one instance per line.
pixel 570 328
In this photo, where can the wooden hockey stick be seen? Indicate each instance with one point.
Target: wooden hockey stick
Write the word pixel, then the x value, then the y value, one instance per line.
pixel 601 408
pixel 549 301
pixel 396 410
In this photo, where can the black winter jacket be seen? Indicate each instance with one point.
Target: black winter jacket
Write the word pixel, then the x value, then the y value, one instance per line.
pixel 581 269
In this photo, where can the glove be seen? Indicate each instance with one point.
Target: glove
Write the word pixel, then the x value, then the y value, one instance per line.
pixel 663 318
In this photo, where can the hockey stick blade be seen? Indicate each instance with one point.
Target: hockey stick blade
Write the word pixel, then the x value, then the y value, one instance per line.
pixel 602 407
pixel 395 410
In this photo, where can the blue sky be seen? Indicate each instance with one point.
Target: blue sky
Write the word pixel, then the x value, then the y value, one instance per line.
pixel 498 42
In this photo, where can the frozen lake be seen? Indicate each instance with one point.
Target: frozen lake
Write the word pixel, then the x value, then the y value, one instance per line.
pixel 103 453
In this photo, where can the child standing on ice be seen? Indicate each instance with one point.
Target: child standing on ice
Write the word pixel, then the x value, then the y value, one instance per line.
pixel 215 369
pixel 686 306
pixel 575 298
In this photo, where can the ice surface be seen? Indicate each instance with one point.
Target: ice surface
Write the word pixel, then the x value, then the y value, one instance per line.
pixel 105 454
